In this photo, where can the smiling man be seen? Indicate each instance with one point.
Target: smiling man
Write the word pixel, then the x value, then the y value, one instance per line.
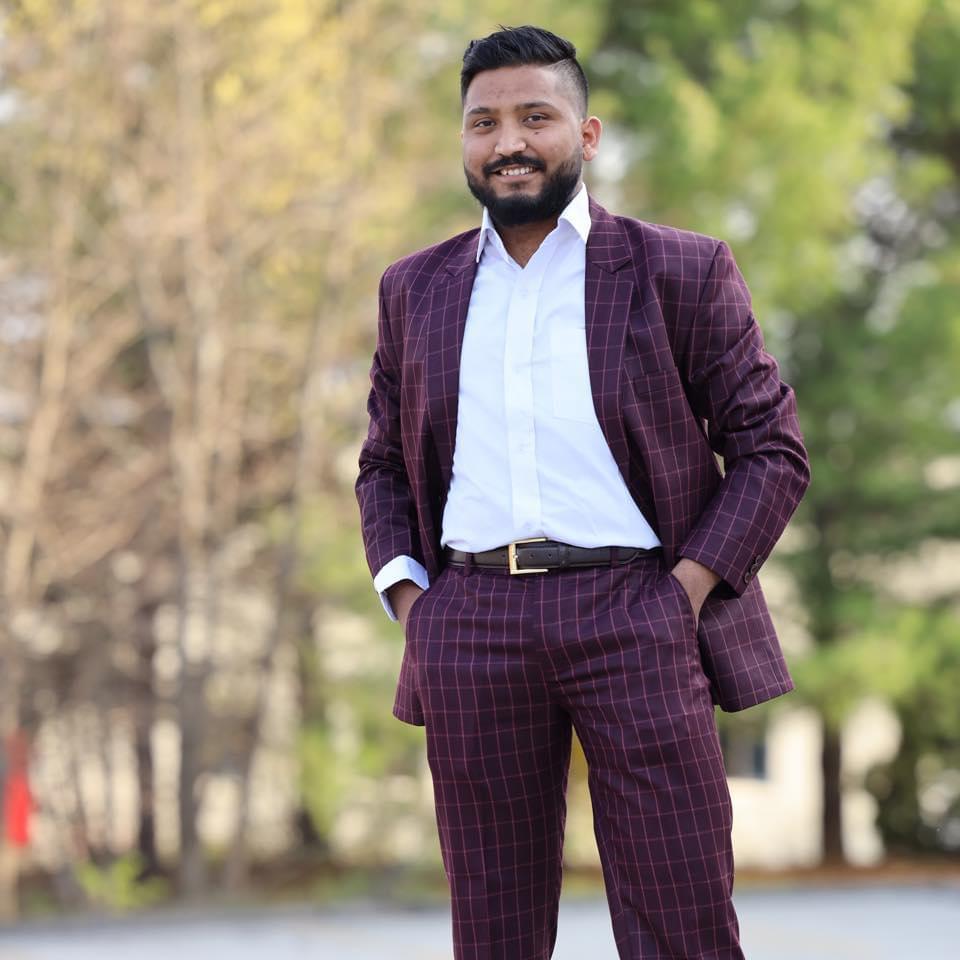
pixel 543 512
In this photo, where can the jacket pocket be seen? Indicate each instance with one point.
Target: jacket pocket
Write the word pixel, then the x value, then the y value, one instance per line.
pixel 687 616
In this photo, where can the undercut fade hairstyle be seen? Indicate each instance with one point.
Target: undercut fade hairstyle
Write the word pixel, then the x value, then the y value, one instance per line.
pixel 523 46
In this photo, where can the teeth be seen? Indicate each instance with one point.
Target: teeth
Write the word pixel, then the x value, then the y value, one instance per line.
pixel 516 171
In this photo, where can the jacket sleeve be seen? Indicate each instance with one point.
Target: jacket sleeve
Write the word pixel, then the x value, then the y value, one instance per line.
pixel 387 512
pixel 751 417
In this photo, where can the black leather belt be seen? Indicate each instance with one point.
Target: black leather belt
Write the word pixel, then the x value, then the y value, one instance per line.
pixel 538 555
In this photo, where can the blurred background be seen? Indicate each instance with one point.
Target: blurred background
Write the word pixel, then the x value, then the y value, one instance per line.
pixel 197 198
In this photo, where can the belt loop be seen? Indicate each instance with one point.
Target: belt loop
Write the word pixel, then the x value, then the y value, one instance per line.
pixel 468 565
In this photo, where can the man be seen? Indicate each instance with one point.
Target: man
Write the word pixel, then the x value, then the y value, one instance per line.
pixel 543 511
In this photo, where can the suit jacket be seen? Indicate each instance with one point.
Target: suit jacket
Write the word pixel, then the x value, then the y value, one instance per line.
pixel 680 379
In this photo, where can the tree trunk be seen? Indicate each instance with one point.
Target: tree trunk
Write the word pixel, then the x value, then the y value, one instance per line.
pixel 144 709
pixel 147 830
pixel 191 718
pixel 192 867
pixel 831 757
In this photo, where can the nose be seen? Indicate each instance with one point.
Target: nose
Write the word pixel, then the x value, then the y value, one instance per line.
pixel 510 141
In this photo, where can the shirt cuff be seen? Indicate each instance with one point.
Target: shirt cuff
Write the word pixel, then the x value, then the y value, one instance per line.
pixel 399 568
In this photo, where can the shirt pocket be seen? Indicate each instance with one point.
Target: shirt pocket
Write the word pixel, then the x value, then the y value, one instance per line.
pixel 570 375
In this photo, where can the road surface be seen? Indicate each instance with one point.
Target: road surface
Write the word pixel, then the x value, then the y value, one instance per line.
pixel 910 923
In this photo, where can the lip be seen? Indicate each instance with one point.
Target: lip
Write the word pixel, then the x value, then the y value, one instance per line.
pixel 517 177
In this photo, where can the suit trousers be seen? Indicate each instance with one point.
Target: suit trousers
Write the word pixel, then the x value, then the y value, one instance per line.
pixel 505 667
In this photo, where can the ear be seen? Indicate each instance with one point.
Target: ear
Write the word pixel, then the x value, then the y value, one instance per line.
pixel 590 131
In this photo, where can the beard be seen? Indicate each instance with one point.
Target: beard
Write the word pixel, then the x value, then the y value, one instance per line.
pixel 519 209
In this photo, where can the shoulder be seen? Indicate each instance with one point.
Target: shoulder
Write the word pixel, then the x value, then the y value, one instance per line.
pixel 657 247
pixel 421 267
pixel 670 245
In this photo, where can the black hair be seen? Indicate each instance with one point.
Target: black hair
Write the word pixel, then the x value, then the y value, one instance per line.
pixel 520 46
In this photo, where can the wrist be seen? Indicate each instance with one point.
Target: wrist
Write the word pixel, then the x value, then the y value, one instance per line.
pixel 401 596
pixel 400 588
pixel 697 579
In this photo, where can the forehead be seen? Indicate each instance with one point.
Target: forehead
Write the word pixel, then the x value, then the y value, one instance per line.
pixel 509 87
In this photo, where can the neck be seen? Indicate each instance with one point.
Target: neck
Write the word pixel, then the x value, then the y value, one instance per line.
pixel 523 242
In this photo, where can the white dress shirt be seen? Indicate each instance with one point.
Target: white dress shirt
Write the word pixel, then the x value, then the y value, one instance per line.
pixel 530 459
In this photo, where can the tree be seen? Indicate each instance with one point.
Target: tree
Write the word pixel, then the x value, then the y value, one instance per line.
pixel 197 197
pixel 182 209
pixel 785 130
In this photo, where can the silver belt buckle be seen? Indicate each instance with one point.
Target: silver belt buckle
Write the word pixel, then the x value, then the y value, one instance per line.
pixel 512 556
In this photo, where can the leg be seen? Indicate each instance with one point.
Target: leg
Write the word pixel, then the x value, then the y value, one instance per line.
pixel 499 753
pixel 641 707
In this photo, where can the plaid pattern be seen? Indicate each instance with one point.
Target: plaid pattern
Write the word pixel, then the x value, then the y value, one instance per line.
pixel 672 345
pixel 505 666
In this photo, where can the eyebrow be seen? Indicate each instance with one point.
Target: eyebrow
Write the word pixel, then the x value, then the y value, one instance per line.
pixel 530 105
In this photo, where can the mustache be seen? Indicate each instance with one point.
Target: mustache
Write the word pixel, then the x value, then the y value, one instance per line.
pixel 517 160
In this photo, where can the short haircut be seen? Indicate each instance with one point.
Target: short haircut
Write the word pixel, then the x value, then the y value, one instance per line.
pixel 522 46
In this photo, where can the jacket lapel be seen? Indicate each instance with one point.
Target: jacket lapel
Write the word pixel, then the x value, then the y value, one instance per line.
pixel 607 296
pixel 445 322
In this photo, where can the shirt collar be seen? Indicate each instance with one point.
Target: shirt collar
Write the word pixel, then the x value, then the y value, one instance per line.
pixel 576 213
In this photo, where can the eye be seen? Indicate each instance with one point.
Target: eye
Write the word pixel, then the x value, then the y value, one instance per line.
pixel 536 117
pixel 483 124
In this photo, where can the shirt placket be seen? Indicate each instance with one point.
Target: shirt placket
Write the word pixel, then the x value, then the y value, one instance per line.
pixel 518 394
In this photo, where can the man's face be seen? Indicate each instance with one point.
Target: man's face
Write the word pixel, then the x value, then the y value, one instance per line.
pixel 524 143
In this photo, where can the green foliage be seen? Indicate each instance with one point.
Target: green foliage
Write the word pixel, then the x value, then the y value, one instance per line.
pixel 872 659
pixel 918 791
pixel 935 89
pixel 319 142
pixel 118 885
pixel 349 739
pixel 748 122
pixel 321 775
pixel 820 139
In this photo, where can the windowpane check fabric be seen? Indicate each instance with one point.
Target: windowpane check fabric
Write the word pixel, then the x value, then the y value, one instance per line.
pixel 678 373
pixel 507 666
pixel 501 669
pixel 530 459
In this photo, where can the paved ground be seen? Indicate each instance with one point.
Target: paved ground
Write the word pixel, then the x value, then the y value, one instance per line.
pixel 877 924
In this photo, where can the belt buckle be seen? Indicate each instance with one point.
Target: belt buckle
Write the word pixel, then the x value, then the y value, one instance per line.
pixel 512 556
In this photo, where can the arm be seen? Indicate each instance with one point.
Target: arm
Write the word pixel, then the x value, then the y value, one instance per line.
pixel 401 598
pixel 752 423
pixel 387 511
pixel 697 580
pixel 398 584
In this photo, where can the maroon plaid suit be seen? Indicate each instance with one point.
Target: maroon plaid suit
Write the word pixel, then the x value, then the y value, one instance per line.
pixel 678 372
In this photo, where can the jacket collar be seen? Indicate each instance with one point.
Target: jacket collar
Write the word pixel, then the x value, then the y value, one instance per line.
pixel 606 245
pixel 576 215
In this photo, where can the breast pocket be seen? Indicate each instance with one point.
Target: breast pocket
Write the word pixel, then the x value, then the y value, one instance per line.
pixel 570 375
pixel 648 376
pixel 656 409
